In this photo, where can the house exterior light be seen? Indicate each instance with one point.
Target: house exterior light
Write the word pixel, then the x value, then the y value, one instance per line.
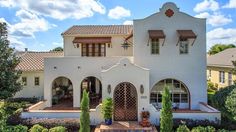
pixel 125 45
pixel 141 89
pixel 109 88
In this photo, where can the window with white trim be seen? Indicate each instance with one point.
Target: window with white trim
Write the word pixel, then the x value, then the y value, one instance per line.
pixel 36 81
pixel 183 46
pixel 222 77
pixel 230 79
pixel 155 48
pixel 179 92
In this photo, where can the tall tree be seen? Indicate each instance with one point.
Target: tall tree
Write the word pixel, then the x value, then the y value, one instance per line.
pixel 220 47
pixel 166 112
pixel 84 117
pixel 9 76
pixel 58 49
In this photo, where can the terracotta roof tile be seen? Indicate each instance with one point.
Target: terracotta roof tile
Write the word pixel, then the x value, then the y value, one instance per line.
pixel 99 29
pixel 34 61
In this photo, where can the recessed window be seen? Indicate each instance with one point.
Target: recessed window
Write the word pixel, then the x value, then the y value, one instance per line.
pixel 183 46
pixel 36 81
pixel 155 49
pixel 24 81
pixel 93 50
pixel 222 77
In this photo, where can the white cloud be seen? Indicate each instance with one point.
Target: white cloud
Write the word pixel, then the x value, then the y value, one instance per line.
pixel 221 35
pixel 29 24
pixel 215 19
pixel 231 4
pixel 206 5
pixel 219 20
pixel 57 43
pixel 16 43
pixel 119 12
pixel 59 10
pixel 203 15
pixel 128 22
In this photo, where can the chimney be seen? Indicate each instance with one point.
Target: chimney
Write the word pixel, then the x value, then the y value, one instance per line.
pixel 26 49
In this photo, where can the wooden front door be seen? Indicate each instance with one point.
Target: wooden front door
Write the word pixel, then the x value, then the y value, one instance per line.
pixel 125 102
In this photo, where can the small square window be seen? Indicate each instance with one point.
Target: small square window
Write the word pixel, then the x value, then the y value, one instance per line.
pixel 155 49
pixel 24 81
pixel 183 46
pixel 36 81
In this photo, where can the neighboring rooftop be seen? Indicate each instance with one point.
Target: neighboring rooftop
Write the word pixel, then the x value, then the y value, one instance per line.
pixel 34 61
pixel 99 29
pixel 222 59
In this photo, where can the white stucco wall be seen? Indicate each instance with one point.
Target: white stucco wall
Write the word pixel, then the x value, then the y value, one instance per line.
pixel 125 71
pixel 189 68
pixel 68 67
pixel 114 50
pixel 30 90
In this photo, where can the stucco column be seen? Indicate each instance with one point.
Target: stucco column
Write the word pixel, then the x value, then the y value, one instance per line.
pixel 76 94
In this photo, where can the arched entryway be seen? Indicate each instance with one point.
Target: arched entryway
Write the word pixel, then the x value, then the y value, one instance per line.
pixel 62 93
pixel 180 95
pixel 125 102
pixel 94 86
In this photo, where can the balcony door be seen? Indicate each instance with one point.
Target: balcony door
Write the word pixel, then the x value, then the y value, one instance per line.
pixel 93 49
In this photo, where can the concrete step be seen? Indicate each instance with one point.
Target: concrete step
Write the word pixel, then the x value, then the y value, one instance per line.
pixel 124 127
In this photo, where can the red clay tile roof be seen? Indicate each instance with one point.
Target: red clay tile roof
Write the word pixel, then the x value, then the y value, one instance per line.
pixel 34 61
pixel 99 29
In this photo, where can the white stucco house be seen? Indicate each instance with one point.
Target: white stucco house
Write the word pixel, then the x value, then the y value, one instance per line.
pixel 129 63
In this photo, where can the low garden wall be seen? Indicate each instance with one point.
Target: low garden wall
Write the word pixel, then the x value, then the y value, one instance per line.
pixel 36 111
pixel 206 112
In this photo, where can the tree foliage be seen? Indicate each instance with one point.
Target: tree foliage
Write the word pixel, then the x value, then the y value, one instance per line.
pixel 9 76
pixel 220 47
pixel 225 101
pixel 166 112
pixel 58 49
pixel 84 117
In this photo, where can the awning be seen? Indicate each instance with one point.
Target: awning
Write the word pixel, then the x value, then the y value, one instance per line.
pixel 92 40
pixel 185 34
pixel 156 34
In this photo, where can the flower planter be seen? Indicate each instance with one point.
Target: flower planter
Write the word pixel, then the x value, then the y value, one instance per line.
pixel 108 121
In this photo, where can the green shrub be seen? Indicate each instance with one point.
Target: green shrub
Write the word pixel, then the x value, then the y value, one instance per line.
pixel 58 129
pixel 37 128
pixel 20 128
pixel 223 130
pixel 198 129
pixel 224 100
pixel 210 129
pixel 84 117
pixel 107 108
pixel 166 112
pixel 183 128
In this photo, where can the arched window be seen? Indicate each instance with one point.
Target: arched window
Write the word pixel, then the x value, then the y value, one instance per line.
pixel 62 93
pixel 94 86
pixel 179 92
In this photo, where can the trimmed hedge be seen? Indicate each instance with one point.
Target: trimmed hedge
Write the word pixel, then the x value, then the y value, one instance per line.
pixel 31 100
pixel 58 129
pixel 224 100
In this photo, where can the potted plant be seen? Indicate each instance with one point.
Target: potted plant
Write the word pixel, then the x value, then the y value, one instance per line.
pixel 145 116
pixel 107 110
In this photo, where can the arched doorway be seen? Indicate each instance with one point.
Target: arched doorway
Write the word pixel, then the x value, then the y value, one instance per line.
pixel 125 102
pixel 62 93
pixel 94 86
pixel 180 95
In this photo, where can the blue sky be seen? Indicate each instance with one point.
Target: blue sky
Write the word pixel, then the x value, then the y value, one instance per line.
pixel 37 25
